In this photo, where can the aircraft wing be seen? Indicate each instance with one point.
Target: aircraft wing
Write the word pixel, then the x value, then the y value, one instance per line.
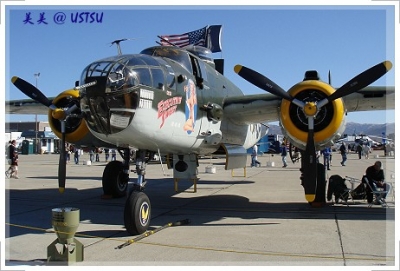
pixel 370 98
pixel 247 109
pixel 261 108
pixel 26 106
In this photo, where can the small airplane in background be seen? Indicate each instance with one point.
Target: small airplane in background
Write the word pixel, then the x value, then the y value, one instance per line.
pixel 175 101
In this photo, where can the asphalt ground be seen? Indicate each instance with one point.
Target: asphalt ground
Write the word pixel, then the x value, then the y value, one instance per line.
pixel 247 217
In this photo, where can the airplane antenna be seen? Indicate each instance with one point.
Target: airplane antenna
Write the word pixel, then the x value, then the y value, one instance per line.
pixel 117 42
pixel 329 77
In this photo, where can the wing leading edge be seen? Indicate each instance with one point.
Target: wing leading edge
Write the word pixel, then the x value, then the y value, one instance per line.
pixel 262 108
pixel 25 107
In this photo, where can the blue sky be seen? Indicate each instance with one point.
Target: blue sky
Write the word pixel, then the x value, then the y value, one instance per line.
pixel 279 42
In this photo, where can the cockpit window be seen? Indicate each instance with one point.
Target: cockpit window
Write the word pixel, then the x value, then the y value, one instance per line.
pixel 136 61
pixel 144 76
pixel 129 71
pixel 158 78
pixel 121 77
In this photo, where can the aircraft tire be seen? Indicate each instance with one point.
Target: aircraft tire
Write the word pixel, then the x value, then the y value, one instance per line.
pixel 137 213
pixel 114 181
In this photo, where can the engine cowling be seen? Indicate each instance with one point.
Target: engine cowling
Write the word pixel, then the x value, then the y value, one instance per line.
pixel 329 123
pixel 76 130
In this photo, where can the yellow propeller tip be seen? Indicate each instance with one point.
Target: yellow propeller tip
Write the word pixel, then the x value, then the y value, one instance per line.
pixel 14 78
pixel 310 197
pixel 237 68
pixel 61 189
pixel 388 65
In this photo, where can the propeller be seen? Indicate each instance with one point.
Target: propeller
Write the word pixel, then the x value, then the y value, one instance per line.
pixel 262 82
pixel 360 81
pixel 58 113
pixel 62 168
pixel 31 91
pixel 311 109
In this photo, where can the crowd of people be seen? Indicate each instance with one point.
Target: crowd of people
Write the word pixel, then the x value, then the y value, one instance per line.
pixel 374 174
pixel 94 154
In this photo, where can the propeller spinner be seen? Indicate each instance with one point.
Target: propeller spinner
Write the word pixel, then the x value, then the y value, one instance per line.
pixel 311 109
pixel 58 113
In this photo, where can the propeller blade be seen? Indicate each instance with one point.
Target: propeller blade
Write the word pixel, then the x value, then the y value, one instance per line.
pixel 31 91
pixel 62 167
pixel 262 82
pixel 60 114
pixel 362 80
pixel 309 165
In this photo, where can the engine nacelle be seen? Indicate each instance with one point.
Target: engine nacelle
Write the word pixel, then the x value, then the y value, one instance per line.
pixel 329 123
pixel 76 130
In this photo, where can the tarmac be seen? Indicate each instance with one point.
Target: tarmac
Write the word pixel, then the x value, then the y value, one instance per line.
pixel 257 216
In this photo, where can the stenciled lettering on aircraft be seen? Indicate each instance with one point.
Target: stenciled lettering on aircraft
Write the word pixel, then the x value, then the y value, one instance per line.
pixel 119 121
pixel 146 98
pixel 146 94
pixel 167 107
pixel 147 104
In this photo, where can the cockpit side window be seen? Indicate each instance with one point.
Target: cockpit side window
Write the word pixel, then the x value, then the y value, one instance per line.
pixel 169 73
pixel 203 70
pixel 144 76
pixel 158 78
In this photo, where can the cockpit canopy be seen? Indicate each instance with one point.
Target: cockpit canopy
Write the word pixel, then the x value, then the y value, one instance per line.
pixel 181 56
pixel 147 68
pixel 128 71
pixel 202 52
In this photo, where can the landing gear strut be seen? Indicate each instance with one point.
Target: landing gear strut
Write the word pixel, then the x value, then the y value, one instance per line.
pixel 137 211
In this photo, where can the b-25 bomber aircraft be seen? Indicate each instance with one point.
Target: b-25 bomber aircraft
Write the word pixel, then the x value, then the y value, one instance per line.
pixel 177 102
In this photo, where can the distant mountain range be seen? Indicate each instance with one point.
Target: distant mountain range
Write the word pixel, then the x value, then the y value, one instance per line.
pixel 353 128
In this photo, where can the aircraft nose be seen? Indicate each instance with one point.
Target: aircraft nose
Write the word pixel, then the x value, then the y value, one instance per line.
pixel 111 103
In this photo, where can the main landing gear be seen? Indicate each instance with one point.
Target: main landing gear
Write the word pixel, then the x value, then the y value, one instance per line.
pixel 137 210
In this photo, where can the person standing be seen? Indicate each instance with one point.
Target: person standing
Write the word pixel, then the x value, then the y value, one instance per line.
pixel 367 150
pixel 254 161
pixel 343 152
pixel 98 151
pixel 107 154
pixel 284 154
pixel 113 155
pixel 76 155
pixel 327 156
pixel 359 150
pixel 91 155
pixel 13 154
pixel 67 153
pixel 317 155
